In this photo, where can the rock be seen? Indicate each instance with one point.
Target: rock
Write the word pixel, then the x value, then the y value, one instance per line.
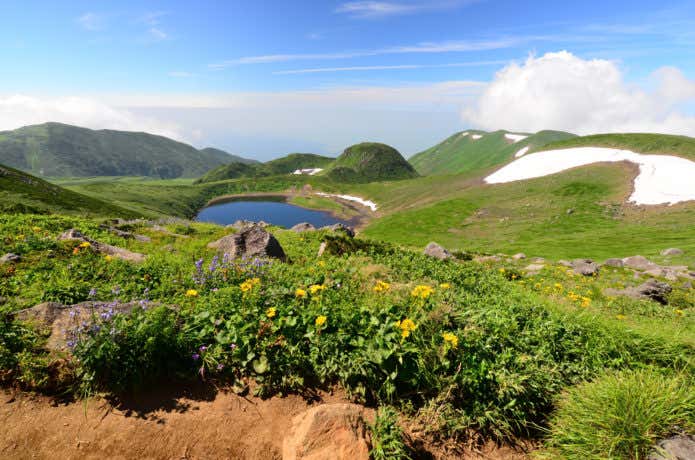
pixel 103 248
pixel 678 447
pixel 688 285
pixel 538 260
pixel 303 227
pixel 663 272
pixel 484 259
pixel 570 211
pixel 651 289
pixel 437 251
pixel 322 248
pixel 565 263
pixel 340 228
pixel 672 252
pixel 613 262
pixel 129 235
pixel 586 267
pixel 534 268
pixel 9 258
pixel 519 256
pixel 160 229
pixel 328 431
pixel 639 263
pixel 63 319
pixel 250 242
pixel 241 225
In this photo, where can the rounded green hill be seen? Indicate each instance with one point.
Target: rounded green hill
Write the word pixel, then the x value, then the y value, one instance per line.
pixel 370 162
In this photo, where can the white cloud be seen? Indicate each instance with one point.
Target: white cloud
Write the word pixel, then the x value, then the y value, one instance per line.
pixel 387 67
pixel 158 34
pixel 91 21
pixel 20 110
pixel 378 9
pixel 564 92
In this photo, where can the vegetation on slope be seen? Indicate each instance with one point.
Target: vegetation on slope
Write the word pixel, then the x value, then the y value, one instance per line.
pixel 58 150
pixel 461 153
pixel 23 193
pixel 369 162
pixel 640 143
pixel 285 165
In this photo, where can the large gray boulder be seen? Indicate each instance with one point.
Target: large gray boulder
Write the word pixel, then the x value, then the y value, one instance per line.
pixel 336 228
pixel 9 258
pixel 586 267
pixel 250 242
pixel 303 227
pixel 639 263
pixel 614 262
pixel 651 289
pixel 519 256
pixel 672 252
pixel 679 447
pixel 103 248
pixel 437 251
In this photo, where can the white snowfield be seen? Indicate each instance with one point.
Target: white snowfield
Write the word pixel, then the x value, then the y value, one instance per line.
pixel 309 171
pixel 475 137
pixel 522 152
pixel 370 204
pixel 515 137
pixel 465 134
pixel 661 179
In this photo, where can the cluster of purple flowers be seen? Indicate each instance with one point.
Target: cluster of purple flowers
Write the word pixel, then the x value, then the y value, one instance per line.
pixel 103 312
pixel 250 267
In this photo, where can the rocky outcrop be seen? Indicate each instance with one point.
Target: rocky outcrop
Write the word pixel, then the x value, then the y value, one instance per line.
pixel 651 289
pixel 679 447
pixel 519 256
pixel 437 251
pixel 303 227
pixel 328 431
pixel 250 242
pixel 9 258
pixel 103 248
pixel 639 263
pixel 63 320
pixel 672 252
pixel 613 262
pixel 534 269
pixel 128 235
pixel 340 228
pixel 586 267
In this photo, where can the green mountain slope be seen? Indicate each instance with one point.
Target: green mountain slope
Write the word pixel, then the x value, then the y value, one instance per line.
pixel 58 150
pixel 638 142
pixel 463 153
pixel 225 156
pixel 23 193
pixel 369 162
pixel 284 165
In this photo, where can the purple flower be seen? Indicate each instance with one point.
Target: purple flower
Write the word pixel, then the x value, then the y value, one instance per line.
pixel 116 290
pixel 195 356
pixel 92 293
pixel 203 348
pixel 233 346
pixel 220 367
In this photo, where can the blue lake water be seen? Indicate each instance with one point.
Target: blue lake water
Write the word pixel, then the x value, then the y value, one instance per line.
pixel 273 211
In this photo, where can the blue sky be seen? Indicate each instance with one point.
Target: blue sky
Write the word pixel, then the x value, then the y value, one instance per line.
pixel 404 72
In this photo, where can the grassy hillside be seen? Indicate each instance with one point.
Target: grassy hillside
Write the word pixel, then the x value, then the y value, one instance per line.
pixel 369 162
pixel 23 193
pixel 641 143
pixel 58 150
pixel 461 153
pixel 284 165
pixel 224 156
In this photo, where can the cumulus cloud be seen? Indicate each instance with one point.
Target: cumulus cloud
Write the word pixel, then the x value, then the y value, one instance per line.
pixel 564 92
pixel 20 110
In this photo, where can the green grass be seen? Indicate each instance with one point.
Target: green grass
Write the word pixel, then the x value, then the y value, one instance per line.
pixel 640 143
pixel 280 166
pixel 622 415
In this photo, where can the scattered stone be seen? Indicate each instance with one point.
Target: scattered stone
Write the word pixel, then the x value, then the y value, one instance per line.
pixel 688 285
pixel 303 227
pixel 250 242
pixel 663 272
pixel 534 269
pixel 340 228
pixel 519 256
pixel 437 251
pixel 538 260
pixel 639 263
pixel 62 319
pixel 9 258
pixel 672 252
pixel 103 248
pixel 678 447
pixel 613 262
pixel 322 248
pixel 565 263
pixel 129 235
pixel 586 267
pixel 570 211
pixel 651 289
pixel 328 431
pixel 484 259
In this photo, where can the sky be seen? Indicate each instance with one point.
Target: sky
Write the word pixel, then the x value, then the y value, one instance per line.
pixel 262 79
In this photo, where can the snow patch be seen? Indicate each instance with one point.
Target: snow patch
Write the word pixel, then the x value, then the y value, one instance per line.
pixel 661 179
pixel 465 134
pixel 370 204
pixel 522 152
pixel 308 171
pixel 475 137
pixel 515 137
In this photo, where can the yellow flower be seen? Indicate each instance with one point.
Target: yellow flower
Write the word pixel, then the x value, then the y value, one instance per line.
pixel 406 326
pixel 382 286
pixel 445 286
pixel 191 293
pixel 271 312
pixel 249 284
pixel 108 258
pixel 451 339
pixel 558 286
pixel 621 317
pixel 36 229
pixel 300 293
pixel 316 288
pixel 679 312
pixel 422 291
pixel 320 320
pixel 85 245
pixel 586 302
pixel 321 263
pixel 502 270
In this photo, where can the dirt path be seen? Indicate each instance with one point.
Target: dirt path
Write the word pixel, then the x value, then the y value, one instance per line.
pixel 182 425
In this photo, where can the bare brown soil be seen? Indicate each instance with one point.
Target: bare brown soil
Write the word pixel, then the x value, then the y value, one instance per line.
pixel 184 424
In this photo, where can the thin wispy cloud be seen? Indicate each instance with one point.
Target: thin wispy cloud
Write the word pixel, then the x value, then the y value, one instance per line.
pixel 427 47
pixel 387 67
pixel 91 21
pixel 378 9
pixel 157 34
pixel 153 21
pixel 180 74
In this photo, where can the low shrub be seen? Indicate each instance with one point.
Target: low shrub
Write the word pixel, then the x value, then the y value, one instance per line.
pixel 387 437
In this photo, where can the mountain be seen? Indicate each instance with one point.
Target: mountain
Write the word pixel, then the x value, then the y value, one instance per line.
pixel 224 156
pixel 369 162
pixel 285 165
pixel 59 150
pixel 474 150
pixel 662 144
pixel 23 193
